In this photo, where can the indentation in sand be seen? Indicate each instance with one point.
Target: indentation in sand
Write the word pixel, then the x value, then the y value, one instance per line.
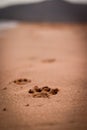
pixel 5 88
pixel 43 92
pixel 22 81
pixel 27 105
pixel 48 60
pixel 4 109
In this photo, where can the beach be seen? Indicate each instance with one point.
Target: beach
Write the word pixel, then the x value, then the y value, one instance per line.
pixel 53 55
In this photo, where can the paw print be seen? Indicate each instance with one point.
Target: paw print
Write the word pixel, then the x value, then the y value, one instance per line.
pixel 22 81
pixel 44 92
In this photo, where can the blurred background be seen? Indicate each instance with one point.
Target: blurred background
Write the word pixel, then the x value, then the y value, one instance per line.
pixel 44 10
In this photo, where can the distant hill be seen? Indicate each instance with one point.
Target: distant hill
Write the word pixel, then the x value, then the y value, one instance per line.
pixel 47 11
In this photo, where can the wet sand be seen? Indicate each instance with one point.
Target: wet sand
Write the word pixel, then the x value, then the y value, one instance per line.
pixel 47 55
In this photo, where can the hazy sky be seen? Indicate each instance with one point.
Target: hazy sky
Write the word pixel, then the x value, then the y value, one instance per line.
pixel 12 2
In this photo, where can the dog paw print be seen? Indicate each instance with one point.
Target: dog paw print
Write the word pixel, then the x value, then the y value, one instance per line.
pixel 44 92
pixel 48 60
pixel 22 81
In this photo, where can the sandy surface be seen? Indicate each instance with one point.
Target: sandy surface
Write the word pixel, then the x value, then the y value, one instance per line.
pixel 26 52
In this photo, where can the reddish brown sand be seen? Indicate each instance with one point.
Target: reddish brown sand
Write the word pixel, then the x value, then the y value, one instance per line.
pixel 47 55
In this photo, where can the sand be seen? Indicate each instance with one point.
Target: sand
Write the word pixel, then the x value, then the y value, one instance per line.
pixel 47 55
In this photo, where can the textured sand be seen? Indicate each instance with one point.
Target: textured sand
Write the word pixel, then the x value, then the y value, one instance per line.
pixel 48 55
